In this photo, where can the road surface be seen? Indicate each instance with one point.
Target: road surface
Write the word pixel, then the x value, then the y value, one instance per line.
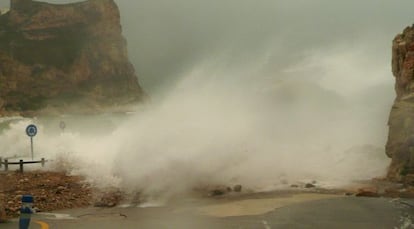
pixel 264 212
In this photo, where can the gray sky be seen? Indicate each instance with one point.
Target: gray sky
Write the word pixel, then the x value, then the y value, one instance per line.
pixel 166 37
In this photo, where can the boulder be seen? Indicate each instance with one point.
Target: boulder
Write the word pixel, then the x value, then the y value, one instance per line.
pixel 219 190
pixel 237 188
pixel 367 192
pixel 309 185
pixel 109 199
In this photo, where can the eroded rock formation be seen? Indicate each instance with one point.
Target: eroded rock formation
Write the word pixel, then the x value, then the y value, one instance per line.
pixel 400 145
pixel 64 58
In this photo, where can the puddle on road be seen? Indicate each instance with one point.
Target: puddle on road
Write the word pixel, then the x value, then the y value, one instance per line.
pixel 56 216
pixel 258 206
pixel 94 215
pixel 151 205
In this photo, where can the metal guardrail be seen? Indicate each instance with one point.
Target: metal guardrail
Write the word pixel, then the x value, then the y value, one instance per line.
pixel 6 163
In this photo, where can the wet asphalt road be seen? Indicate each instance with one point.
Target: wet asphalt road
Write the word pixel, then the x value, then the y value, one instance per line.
pixel 340 212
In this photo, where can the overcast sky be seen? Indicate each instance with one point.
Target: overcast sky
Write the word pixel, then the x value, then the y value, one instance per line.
pixel 166 38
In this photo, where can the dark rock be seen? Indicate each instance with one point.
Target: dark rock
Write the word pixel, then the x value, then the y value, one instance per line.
pixel 237 188
pixel 309 185
pixel 367 192
pixel 102 204
pixel 60 189
pixel 109 199
pixel 217 192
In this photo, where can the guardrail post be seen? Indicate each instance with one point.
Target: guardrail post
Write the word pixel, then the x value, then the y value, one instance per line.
pixel 21 166
pixel 6 165
pixel 43 162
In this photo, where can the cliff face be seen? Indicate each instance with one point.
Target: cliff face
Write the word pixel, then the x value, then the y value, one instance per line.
pixel 55 56
pixel 400 145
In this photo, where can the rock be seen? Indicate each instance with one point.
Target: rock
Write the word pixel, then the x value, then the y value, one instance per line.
pixel 219 191
pixel 64 58
pixel 36 209
pixel 400 144
pixel 3 216
pixel 111 204
pixel 408 180
pixel 109 199
pixel 309 185
pixel 60 190
pixel 237 188
pixel 367 192
pixel 392 193
pixel 100 204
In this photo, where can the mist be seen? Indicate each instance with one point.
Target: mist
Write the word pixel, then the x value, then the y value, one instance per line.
pixel 243 92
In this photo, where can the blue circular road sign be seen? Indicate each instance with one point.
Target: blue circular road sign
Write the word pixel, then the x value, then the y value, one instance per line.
pixel 31 130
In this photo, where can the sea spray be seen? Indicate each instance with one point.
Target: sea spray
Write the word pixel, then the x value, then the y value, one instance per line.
pixel 212 131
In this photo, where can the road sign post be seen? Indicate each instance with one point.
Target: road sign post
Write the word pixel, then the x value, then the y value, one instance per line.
pixel 62 126
pixel 31 131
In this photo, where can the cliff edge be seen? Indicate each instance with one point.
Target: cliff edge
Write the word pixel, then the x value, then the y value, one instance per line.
pixel 400 145
pixel 64 58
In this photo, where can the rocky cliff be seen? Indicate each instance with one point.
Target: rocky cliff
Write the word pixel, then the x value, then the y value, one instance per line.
pixel 64 58
pixel 400 145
